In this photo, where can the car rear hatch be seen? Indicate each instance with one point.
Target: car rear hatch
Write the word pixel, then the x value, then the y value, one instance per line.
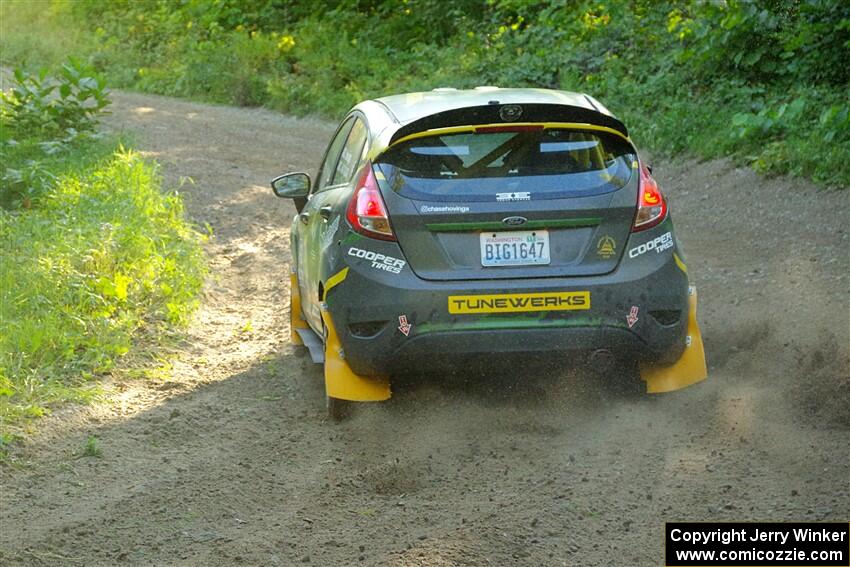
pixel 507 201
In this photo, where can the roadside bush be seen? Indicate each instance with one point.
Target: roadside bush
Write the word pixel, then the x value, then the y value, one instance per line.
pixel 42 106
pixel 235 70
pixel 42 116
pixel 91 249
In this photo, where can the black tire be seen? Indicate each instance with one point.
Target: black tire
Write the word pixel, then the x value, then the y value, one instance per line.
pixel 338 410
pixel 617 375
pixel 625 378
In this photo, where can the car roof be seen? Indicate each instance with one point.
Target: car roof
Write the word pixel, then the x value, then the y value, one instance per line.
pixel 405 108
pixel 390 118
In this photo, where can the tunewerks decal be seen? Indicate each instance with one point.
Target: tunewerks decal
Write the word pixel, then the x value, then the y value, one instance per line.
pixel 519 302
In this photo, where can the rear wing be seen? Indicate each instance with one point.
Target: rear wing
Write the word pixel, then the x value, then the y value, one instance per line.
pixel 492 114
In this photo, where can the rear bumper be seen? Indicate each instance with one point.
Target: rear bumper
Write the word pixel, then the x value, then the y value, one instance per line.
pixel 368 304
pixel 454 349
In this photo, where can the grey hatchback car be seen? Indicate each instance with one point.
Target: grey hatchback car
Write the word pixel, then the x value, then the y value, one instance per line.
pixel 454 224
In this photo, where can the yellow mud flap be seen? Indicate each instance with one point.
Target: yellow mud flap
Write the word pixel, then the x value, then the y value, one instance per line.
pixel 689 369
pixel 296 318
pixel 340 381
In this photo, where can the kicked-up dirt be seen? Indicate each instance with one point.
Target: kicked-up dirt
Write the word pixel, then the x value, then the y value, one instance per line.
pixel 232 460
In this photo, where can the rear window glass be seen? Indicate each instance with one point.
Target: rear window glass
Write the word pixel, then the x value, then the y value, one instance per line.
pixel 550 163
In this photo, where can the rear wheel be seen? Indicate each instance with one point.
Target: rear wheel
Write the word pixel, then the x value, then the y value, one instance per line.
pixel 619 375
pixel 338 410
pixel 625 377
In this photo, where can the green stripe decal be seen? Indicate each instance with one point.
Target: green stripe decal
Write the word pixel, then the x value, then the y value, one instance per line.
pixel 497 225
pixel 515 323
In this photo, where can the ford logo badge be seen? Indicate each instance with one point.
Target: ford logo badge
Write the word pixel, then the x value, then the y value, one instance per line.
pixel 514 221
pixel 510 112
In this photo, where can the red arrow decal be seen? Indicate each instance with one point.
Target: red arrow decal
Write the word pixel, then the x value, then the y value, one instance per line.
pixel 403 325
pixel 632 317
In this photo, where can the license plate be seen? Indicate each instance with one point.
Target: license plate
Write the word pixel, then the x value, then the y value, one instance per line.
pixel 515 248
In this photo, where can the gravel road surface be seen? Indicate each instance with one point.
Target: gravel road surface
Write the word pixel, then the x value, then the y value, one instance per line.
pixel 230 459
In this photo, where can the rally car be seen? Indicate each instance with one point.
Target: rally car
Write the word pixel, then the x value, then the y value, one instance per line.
pixel 454 223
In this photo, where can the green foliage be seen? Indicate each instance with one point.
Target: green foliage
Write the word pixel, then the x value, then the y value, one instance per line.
pixel 770 41
pixel 707 78
pixel 34 34
pixel 91 448
pixel 105 253
pixel 43 116
pixel 53 107
pixel 91 250
pixel 7 440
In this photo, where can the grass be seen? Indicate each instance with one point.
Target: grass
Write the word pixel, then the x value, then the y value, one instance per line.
pixel 105 255
pixel 18 19
pixel 91 448
pixel 99 268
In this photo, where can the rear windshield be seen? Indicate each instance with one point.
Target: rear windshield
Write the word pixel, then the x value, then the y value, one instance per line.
pixel 468 166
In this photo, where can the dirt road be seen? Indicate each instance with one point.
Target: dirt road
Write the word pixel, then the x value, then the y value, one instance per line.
pixel 232 461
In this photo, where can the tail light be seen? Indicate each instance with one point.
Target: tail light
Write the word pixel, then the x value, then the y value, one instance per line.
pixel 652 206
pixel 501 129
pixel 367 213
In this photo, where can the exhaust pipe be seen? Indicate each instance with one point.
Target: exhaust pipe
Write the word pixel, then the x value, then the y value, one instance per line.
pixel 601 360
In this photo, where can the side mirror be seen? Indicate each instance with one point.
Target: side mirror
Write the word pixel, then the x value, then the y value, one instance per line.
pixel 291 185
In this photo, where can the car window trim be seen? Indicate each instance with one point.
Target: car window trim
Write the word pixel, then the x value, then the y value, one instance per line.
pixel 363 153
pixel 360 163
pixel 316 188
pixel 359 155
